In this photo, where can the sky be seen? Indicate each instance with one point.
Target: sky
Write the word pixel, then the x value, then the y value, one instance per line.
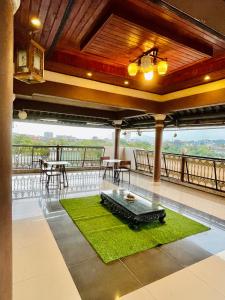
pixel 79 132
pixel 87 133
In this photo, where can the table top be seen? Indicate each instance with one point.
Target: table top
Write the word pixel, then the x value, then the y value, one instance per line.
pixel 138 207
pixel 57 163
pixel 112 160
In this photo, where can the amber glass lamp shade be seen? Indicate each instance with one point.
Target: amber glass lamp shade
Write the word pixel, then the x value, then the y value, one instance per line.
pixel 132 69
pixel 162 67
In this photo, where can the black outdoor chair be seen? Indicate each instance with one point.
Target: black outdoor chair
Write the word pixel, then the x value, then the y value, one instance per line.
pixel 123 167
pixel 49 174
pixel 105 167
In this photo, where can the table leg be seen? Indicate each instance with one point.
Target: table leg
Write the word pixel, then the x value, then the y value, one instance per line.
pixel 65 180
pixel 104 174
pixel 161 219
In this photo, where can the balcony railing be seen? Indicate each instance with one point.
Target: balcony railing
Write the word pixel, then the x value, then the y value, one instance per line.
pixel 27 157
pixel 202 171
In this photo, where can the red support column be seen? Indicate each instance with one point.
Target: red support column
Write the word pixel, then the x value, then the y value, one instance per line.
pixel 117 142
pixel 159 125
pixel 6 99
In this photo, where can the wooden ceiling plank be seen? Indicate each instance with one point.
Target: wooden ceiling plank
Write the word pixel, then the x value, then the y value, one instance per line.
pixel 99 25
pixel 136 39
pixel 44 8
pixel 171 54
pixel 89 18
pixel 35 7
pixel 50 19
pixel 84 9
pixel 69 26
pixel 56 24
pixel 165 31
pixel 25 13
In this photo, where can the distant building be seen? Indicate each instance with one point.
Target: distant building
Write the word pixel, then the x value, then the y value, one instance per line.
pixel 48 135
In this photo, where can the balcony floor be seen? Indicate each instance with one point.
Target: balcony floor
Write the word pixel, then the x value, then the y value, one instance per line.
pixel 50 252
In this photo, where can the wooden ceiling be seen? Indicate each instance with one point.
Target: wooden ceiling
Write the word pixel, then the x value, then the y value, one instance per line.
pixel 102 36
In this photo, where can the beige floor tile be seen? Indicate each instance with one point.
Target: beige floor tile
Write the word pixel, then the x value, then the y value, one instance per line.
pixel 212 272
pixel 57 286
pixel 29 231
pixel 183 285
pixel 36 259
pixel 140 294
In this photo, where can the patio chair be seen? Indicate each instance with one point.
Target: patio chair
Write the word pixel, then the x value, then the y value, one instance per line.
pixel 106 167
pixel 43 169
pixel 50 174
pixel 124 167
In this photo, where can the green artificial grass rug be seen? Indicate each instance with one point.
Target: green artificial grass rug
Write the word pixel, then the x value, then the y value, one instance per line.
pixel 112 238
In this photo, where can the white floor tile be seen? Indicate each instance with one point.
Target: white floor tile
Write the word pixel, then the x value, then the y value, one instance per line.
pixel 221 255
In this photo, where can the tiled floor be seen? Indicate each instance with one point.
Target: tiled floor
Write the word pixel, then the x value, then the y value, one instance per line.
pixel 40 270
pixel 204 280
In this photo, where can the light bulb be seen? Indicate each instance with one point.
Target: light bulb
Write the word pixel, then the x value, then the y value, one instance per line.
pixel 149 75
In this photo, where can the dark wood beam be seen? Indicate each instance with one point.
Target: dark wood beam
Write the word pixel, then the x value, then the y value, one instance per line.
pixel 34 105
pixel 77 65
pixel 88 95
pixel 200 100
pixel 83 64
pixel 128 114
pixel 194 75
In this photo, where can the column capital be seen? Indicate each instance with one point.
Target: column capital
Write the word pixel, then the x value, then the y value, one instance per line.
pixel 15 5
pixel 159 117
pixel 117 124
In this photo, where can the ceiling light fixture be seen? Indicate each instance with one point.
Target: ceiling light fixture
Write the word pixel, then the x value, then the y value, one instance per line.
pixel 207 77
pixel 139 132
pixel 22 115
pixel 146 63
pixel 36 22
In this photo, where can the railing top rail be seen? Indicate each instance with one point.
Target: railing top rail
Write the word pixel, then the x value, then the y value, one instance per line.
pixel 60 146
pixel 186 155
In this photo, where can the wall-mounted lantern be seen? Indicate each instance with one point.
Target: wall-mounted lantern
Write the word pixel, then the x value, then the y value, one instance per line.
pixel 29 63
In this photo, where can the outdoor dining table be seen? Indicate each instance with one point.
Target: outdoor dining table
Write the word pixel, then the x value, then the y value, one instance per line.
pixel 111 162
pixel 61 166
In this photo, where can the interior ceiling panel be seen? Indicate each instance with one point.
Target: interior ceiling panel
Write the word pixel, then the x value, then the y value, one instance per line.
pixel 129 40
pixel 102 36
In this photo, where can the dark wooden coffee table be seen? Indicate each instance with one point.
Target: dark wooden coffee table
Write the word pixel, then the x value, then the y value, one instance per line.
pixel 136 212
